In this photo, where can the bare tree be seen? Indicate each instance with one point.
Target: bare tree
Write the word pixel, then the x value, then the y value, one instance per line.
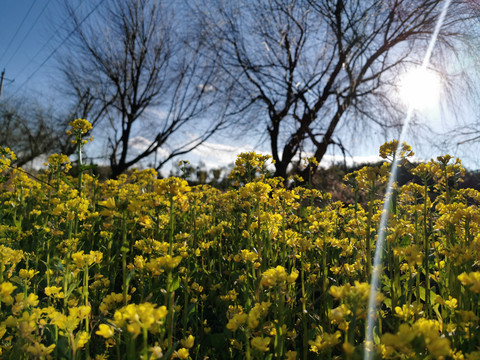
pixel 304 69
pixel 137 71
pixel 32 129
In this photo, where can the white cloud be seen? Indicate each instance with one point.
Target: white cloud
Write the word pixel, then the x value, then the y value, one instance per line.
pixel 141 143
pixel 217 155
pixel 329 160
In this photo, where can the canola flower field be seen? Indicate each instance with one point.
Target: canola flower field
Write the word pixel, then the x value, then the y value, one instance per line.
pixel 147 268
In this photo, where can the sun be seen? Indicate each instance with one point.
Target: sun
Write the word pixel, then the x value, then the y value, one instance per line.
pixel 420 89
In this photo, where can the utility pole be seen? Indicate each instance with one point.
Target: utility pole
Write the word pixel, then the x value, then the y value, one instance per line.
pixel 1 82
pixel 2 78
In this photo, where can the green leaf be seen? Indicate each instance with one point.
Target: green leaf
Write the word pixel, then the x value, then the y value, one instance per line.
pixel 422 294
pixel 169 352
pixel 72 287
pixel 130 276
pixel 439 316
pixel 191 310
pixel 174 285
pixel 18 223
pixel 388 302
pixel 88 167
pixel 376 337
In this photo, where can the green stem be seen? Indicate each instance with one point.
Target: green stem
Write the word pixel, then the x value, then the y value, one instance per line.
pixel 124 250
pixel 145 343
pixel 368 257
pixel 80 163
pixel 87 320
pixel 304 312
pixel 170 302
pixel 247 345
pixel 426 251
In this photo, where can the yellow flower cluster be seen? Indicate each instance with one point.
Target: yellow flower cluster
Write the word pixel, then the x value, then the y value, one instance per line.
pixel 142 316
pixel 161 266
pixel 79 127
pixel 6 290
pixel 172 186
pixel 324 341
pixel 411 340
pixel 6 158
pixel 80 260
pixel 261 344
pixel 105 331
pixel 110 301
pixel 58 162
pixel 259 310
pixel 389 150
pixel 278 276
pixel 256 190
pixel 55 292
pixel 157 265
pixel 472 280
pixel 249 165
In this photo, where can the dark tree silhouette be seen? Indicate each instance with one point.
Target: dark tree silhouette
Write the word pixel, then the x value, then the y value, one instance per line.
pixel 32 129
pixel 137 70
pixel 303 69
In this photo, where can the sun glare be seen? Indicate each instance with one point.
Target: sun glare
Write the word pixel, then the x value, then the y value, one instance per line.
pixel 420 88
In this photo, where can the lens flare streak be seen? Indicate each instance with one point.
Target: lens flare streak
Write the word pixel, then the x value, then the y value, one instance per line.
pixel 382 231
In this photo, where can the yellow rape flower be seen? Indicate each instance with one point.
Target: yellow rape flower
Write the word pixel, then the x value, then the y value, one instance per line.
pixel 182 353
pixel 260 343
pixel 81 260
pixel 236 321
pixel 472 280
pixel 188 342
pixel 81 339
pixel 452 303
pixel 58 319
pixel 291 355
pixel 324 341
pixel 142 316
pixel 389 150
pixel 278 276
pixel 39 350
pixel 157 352
pixel 6 289
pixel 79 127
pixel 157 265
pixel 260 309
pixel 57 162
pixel 407 312
pixel 110 300
pixel 172 186
pixel 6 157
pixel 105 330
pixel 27 274
pixel 248 255
pixel 439 347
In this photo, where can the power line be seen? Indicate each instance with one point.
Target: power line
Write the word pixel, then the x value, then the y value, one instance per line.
pixel 55 33
pixel 18 29
pixel 28 32
pixel 55 50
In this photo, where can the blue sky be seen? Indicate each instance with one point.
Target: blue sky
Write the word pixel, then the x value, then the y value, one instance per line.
pixel 29 37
